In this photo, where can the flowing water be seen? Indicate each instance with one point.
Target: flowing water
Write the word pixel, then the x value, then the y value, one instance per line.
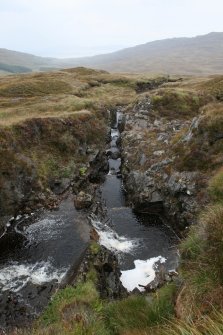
pixel 33 266
pixel 141 241
pixel 35 258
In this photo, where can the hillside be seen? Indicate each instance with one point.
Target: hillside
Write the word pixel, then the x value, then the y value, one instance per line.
pixel 201 55
pixel 15 62
pixel 198 55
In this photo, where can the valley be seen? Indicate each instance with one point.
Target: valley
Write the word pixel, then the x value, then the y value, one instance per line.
pixel 105 180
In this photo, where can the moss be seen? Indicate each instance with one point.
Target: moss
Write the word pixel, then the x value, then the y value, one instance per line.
pixel 95 248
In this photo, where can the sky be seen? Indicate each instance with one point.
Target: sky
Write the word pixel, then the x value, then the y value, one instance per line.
pixel 76 28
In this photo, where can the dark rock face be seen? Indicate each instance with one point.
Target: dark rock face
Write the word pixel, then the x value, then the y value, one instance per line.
pixel 18 186
pixel 108 273
pixel 18 313
pixel 143 192
pixel 98 167
pixel 151 179
pixel 109 284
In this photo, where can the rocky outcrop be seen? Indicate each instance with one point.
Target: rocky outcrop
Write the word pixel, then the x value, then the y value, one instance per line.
pixel 150 164
pixel 109 284
pixel 108 273
pixel 42 157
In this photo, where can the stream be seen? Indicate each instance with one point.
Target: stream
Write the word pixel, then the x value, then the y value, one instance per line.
pixel 37 251
pixel 140 241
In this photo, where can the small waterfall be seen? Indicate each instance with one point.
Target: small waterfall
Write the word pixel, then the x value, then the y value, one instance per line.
pixel 111 240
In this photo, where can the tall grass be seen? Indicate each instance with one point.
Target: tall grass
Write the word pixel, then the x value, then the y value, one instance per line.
pixel 140 313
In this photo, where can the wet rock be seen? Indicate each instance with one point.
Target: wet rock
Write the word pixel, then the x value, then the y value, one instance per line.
pixel 115 155
pixel 109 284
pixel 83 200
pixel 119 174
pixel 162 277
pixel 10 243
pixel 98 167
pixel 142 191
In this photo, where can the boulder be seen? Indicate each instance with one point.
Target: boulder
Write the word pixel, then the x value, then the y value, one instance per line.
pixel 82 200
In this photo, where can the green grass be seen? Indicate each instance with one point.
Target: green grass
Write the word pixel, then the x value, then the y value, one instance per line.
pixel 81 294
pixel 136 313
pixel 191 247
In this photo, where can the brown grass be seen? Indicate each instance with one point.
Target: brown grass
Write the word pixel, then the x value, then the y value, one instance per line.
pixel 61 93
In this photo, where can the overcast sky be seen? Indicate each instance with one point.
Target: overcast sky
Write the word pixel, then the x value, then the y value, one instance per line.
pixel 73 28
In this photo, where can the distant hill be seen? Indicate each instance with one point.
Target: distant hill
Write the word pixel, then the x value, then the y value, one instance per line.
pixel 199 55
pixel 17 62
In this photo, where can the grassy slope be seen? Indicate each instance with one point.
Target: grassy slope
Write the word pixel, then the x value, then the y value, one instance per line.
pixel 46 119
pixel 198 303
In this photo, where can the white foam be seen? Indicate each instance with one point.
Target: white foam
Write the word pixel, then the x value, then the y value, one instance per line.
pixel 15 276
pixel 114 133
pixel 44 230
pixel 143 273
pixel 111 240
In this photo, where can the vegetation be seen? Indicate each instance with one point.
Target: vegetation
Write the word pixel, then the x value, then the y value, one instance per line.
pixel 177 103
pixel 79 310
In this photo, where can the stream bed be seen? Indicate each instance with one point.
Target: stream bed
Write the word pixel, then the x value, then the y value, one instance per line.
pixel 140 241
pixel 37 252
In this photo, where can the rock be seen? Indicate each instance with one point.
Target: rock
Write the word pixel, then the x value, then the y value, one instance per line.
pixel 94 235
pixel 98 167
pixel 93 156
pixel 115 155
pixel 158 153
pixel 194 125
pixel 149 165
pixel 142 159
pixel 107 267
pixel 82 200
pixel 182 182
pixel 11 243
pixel 143 193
